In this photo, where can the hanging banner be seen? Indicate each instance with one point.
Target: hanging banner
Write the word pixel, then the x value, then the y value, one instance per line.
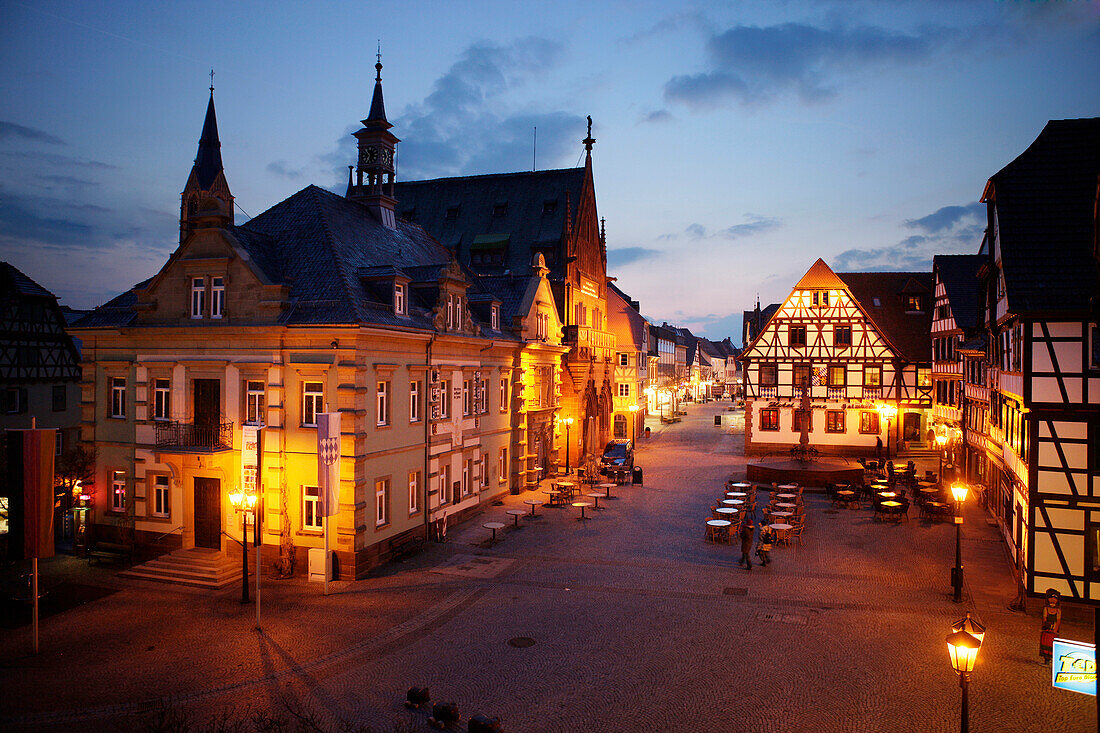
pixel 328 462
pixel 250 458
pixel 1074 666
pixel 30 491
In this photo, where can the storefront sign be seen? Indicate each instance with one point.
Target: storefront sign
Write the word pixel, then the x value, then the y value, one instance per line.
pixel 589 287
pixel 1074 666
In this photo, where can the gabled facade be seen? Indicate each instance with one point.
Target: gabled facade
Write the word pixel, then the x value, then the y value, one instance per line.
pixel 494 224
pixel 322 303
pixel 631 363
pixel 1041 462
pixel 847 343
pixel 954 321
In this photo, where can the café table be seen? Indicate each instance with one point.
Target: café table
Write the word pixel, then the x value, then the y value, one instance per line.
pixel 741 485
pixel 556 498
pixel 719 526
pixel 607 489
pixel 582 505
pixel 782 528
pixel 726 511
pixel 516 514
pixel 595 496
pixel 533 503
pixel 783 505
pixel 786 496
pixel 788 487
pixel 887 494
pixel 781 515
pixel 494 526
pixel 732 502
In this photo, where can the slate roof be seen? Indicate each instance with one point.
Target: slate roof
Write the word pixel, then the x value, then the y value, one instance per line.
pixel 959 275
pixel 1046 209
pixel 13 280
pixel 627 324
pixel 208 159
pixel 908 332
pixel 509 290
pixel 755 326
pixel 533 213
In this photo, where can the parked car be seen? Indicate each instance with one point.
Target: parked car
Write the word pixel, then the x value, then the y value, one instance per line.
pixel 619 452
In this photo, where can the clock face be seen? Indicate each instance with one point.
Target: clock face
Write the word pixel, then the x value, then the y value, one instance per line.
pixel 387 157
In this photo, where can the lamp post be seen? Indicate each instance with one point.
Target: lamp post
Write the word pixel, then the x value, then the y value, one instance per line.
pixel 568 421
pixel 243 503
pixel 887 411
pixel 633 422
pixel 959 492
pixel 963 644
pixel 941 442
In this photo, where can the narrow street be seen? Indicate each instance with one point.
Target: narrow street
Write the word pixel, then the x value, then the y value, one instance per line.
pixel 625 621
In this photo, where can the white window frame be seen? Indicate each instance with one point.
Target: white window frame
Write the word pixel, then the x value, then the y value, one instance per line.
pixel 311 509
pixel 58 442
pixel 484 469
pixel 445 399
pixel 381 502
pixel 162 399
pixel 502 465
pixel 217 297
pixel 467 395
pixel 624 389
pixel 118 397
pixel 494 318
pixel 624 359
pixel 503 394
pixel 399 305
pixel 254 401
pixel 414 401
pixel 312 403
pixel 198 297
pixel 382 404
pixel 414 492
pixel 118 491
pixel 467 474
pixel 445 496
pixel 162 506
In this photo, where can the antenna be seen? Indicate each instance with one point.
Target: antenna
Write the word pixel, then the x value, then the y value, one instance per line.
pixel 534 147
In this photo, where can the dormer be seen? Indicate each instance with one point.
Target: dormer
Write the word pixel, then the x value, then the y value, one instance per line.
pixel 387 285
pixel 452 312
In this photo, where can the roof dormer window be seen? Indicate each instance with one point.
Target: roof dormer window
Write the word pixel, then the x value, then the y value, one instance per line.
pixel 400 305
pixel 452 213
pixel 494 318
pixel 550 206
pixel 500 210
pixel 913 303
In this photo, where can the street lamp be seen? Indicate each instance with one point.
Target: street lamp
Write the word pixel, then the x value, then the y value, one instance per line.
pixel 633 422
pixel 887 411
pixel 959 492
pixel 568 421
pixel 963 644
pixel 941 441
pixel 243 503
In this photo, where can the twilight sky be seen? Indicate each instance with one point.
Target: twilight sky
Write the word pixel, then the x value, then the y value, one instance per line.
pixel 736 141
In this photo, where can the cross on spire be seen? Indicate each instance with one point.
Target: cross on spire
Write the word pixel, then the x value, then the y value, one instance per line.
pixel 378 63
pixel 211 81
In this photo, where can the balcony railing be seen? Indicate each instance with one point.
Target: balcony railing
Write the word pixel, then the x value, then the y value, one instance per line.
pixel 175 434
pixel 769 392
pixel 836 393
pixel 872 393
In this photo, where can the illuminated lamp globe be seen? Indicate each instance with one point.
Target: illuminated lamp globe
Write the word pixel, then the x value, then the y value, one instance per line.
pixel 959 491
pixel 963 648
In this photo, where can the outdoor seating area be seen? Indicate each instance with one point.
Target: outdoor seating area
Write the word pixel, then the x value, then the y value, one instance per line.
pixel 783 511
pixel 890 491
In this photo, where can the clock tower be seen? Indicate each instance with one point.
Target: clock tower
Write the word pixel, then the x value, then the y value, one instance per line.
pixel 372 184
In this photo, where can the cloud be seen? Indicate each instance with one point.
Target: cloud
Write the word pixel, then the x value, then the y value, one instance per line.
pixel 948 230
pixel 466 125
pixel 624 256
pixel 658 115
pixel 281 168
pixel 10 131
pixel 696 231
pixel 753 64
pixel 54 159
pixel 754 224
pixel 947 217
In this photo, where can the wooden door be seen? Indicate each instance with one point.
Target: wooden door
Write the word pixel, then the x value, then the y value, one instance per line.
pixel 207 402
pixel 911 427
pixel 208 513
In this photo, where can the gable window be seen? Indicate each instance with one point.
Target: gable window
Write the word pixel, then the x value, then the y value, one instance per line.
pixel 541 325
pixel 842 336
pixel 500 209
pixel 797 336
pixel 382 502
pixel 624 359
pixel 801 375
pixel 816 297
pixel 162 399
pixel 198 297
pixel 924 377
pixel 834 421
pixel 494 318
pixel 868 422
pixel 414 401
pixel 876 302
pixel 624 389
pixel 313 396
pixel 452 213
pixel 118 491
pixel 254 402
pixel 217 297
pixel 160 496
pixel 59 398
pixel 872 376
pixel 825 297
pixel 399 298
pixel 383 404
pixel 769 375
pixel 913 303
pixel 311 508
pixel 118 397
pixel 769 419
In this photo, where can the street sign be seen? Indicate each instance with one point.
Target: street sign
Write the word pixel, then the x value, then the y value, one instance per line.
pixel 1074 666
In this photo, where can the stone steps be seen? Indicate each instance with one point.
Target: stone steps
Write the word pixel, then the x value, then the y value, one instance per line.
pixel 196 568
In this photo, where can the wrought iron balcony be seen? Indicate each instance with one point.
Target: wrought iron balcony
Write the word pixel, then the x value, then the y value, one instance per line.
pixel 190 436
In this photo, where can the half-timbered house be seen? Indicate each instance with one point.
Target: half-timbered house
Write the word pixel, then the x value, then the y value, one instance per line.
pixel 1041 309
pixel 849 342
pixel 954 321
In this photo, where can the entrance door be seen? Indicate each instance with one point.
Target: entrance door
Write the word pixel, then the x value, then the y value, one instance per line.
pixel 911 427
pixel 208 513
pixel 207 402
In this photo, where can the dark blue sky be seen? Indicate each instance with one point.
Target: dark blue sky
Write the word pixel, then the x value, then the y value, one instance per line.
pixel 736 142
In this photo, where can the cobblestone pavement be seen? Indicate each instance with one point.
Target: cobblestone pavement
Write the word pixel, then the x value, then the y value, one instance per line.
pixel 637 624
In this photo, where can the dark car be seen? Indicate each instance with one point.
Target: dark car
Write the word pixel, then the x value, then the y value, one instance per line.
pixel 618 453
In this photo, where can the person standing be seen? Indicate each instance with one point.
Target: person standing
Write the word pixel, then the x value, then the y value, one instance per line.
pixel 1052 621
pixel 746 543
pixel 767 537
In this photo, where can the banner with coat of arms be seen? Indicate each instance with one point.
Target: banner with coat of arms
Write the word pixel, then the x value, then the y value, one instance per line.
pixel 328 462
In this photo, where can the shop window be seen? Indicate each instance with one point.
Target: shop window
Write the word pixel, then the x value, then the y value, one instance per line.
pixel 769 419
pixel 868 422
pixel 834 421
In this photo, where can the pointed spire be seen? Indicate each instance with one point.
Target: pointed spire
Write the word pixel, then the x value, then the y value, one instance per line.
pixel 377 105
pixel 208 159
pixel 588 141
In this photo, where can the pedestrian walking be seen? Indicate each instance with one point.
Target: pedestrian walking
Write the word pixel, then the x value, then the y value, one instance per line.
pixel 747 532
pixel 767 538
pixel 1052 621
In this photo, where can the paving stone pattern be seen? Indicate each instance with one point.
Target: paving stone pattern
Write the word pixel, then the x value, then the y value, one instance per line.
pixel 637 625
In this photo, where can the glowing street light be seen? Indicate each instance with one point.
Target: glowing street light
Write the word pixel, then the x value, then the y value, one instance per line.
pixel 887 412
pixel 567 421
pixel 243 503
pixel 963 644
pixel 959 492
